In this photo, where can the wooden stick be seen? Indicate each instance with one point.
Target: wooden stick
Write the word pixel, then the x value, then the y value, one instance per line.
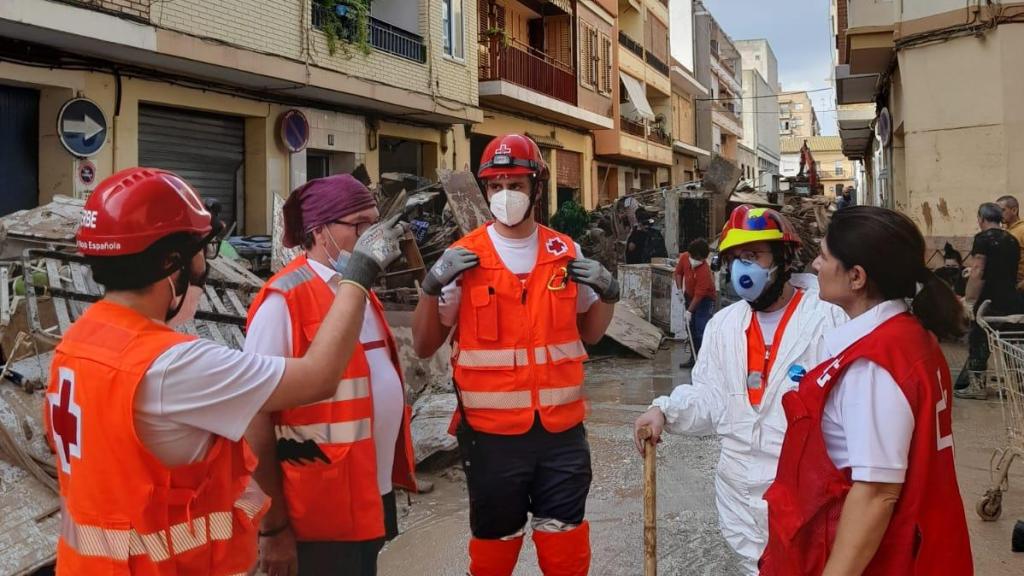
pixel 650 503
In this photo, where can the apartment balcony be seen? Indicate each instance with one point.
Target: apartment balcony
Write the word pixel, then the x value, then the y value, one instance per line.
pixel 627 42
pixel 634 142
pixel 855 129
pixel 658 8
pixel 520 78
pixel 726 76
pixel 727 121
pixel 384 37
pixel 654 62
pixel 869 35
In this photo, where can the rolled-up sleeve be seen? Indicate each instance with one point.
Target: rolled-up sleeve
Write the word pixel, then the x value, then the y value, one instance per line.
pixel 695 409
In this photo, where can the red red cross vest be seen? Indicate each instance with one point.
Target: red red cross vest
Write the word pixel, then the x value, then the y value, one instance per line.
pixel 330 486
pixel 517 350
pixel 927 535
pixel 123 511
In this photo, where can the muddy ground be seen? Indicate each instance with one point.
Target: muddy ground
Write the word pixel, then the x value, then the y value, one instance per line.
pixel 435 526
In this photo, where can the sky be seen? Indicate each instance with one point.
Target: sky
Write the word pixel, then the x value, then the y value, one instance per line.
pixel 800 34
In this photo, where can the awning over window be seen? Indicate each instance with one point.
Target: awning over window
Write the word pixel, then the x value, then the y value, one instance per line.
pixel 637 96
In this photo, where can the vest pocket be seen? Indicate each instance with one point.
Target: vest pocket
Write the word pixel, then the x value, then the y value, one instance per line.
pixel 337 500
pixel 485 311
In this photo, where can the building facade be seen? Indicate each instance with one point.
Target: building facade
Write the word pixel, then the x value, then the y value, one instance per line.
pixel 718 66
pixel 686 92
pixel 836 172
pixel 636 154
pixel 202 87
pixel 548 70
pixel 760 111
pixel 797 118
pixel 934 145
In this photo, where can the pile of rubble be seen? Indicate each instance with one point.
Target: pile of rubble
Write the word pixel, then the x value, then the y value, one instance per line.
pixel 810 216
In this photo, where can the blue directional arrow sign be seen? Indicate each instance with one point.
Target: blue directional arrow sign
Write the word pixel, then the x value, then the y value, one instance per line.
pixel 82 127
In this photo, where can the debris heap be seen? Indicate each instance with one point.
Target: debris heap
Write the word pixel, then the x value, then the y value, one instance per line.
pixel 810 216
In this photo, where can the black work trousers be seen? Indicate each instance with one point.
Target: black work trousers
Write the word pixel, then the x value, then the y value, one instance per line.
pixel 540 473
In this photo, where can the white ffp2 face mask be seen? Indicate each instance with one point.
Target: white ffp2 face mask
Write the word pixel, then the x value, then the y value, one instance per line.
pixel 187 312
pixel 510 206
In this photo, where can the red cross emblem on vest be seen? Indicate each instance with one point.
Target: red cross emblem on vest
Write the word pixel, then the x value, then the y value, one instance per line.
pixel 556 247
pixel 65 420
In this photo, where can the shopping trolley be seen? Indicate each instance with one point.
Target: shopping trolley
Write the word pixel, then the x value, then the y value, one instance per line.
pixel 1006 343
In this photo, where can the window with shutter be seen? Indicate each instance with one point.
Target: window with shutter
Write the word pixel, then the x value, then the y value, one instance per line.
pixel 586 55
pixel 595 59
pixel 606 65
pixel 483 13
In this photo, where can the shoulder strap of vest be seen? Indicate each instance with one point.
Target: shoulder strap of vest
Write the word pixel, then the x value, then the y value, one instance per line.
pixel 479 242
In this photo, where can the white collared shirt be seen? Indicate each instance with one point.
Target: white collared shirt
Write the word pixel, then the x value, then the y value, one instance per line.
pixel 271 333
pixel 868 423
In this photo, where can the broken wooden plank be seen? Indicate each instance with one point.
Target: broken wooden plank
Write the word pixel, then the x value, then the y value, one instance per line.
pixel 465 199
pixel 78 274
pixel 59 304
pixel 219 306
pixel 633 332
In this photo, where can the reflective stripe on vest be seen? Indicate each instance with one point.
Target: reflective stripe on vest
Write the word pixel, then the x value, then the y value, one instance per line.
pixel 521 398
pixel 328 433
pixel 512 357
pixel 349 389
pixel 96 541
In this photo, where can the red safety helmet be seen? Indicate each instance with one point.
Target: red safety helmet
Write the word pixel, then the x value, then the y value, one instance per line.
pixel 132 209
pixel 748 224
pixel 513 155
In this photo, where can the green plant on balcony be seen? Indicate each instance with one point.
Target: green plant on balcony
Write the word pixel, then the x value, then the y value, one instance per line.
pixel 497 33
pixel 347 21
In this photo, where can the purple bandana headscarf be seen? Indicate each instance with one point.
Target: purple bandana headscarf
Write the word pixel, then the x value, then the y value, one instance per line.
pixel 321 201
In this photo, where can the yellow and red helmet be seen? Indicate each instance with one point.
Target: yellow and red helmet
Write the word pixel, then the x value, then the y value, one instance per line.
pixel 748 224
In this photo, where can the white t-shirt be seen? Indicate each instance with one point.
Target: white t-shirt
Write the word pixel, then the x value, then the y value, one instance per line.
pixel 519 255
pixel 199 389
pixel 867 424
pixel 769 322
pixel 270 332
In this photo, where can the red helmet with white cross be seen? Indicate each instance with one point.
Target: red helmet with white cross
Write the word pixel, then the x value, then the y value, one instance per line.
pixel 134 208
pixel 513 155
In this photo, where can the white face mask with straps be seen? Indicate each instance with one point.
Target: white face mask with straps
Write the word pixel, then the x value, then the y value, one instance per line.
pixel 510 207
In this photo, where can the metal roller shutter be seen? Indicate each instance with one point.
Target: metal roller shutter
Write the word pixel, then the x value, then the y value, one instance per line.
pixel 19 149
pixel 207 150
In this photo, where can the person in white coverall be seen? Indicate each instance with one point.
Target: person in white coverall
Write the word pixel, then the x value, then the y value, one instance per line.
pixel 775 330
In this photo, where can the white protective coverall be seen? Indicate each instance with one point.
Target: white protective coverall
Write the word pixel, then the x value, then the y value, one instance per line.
pixel 717 402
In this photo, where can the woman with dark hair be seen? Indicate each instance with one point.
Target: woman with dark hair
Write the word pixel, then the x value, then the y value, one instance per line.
pixel 866 482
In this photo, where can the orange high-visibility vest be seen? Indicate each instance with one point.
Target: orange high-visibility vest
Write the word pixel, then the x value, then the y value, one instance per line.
pixel 123 511
pixel 761 357
pixel 326 449
pixel 517 348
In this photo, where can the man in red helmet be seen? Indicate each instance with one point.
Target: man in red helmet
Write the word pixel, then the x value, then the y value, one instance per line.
pixel 753 352
pixel 147 422
pixel 522 300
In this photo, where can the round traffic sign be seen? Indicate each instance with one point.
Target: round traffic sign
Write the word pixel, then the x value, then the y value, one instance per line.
pixel 294 130
pixel 82 127
pixel 86 172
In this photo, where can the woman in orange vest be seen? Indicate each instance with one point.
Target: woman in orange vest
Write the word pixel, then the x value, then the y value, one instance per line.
pixel 866 482
pixel 328 467
pixel 147 422
pixel 522 300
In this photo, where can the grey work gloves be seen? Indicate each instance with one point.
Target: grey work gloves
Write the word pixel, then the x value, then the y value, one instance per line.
pixel 593 274
pixel 375 250
pixel 448 267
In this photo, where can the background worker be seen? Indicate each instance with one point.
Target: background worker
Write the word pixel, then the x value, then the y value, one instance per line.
pixel 694 280
pixel 755 351
pixel 147 422
pixel 994 261
pixel 522 300
pixel 328 467
pixel 870 437
pixel 1015 226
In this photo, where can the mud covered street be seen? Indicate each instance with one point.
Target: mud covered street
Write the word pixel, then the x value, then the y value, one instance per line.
pixel 436 527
